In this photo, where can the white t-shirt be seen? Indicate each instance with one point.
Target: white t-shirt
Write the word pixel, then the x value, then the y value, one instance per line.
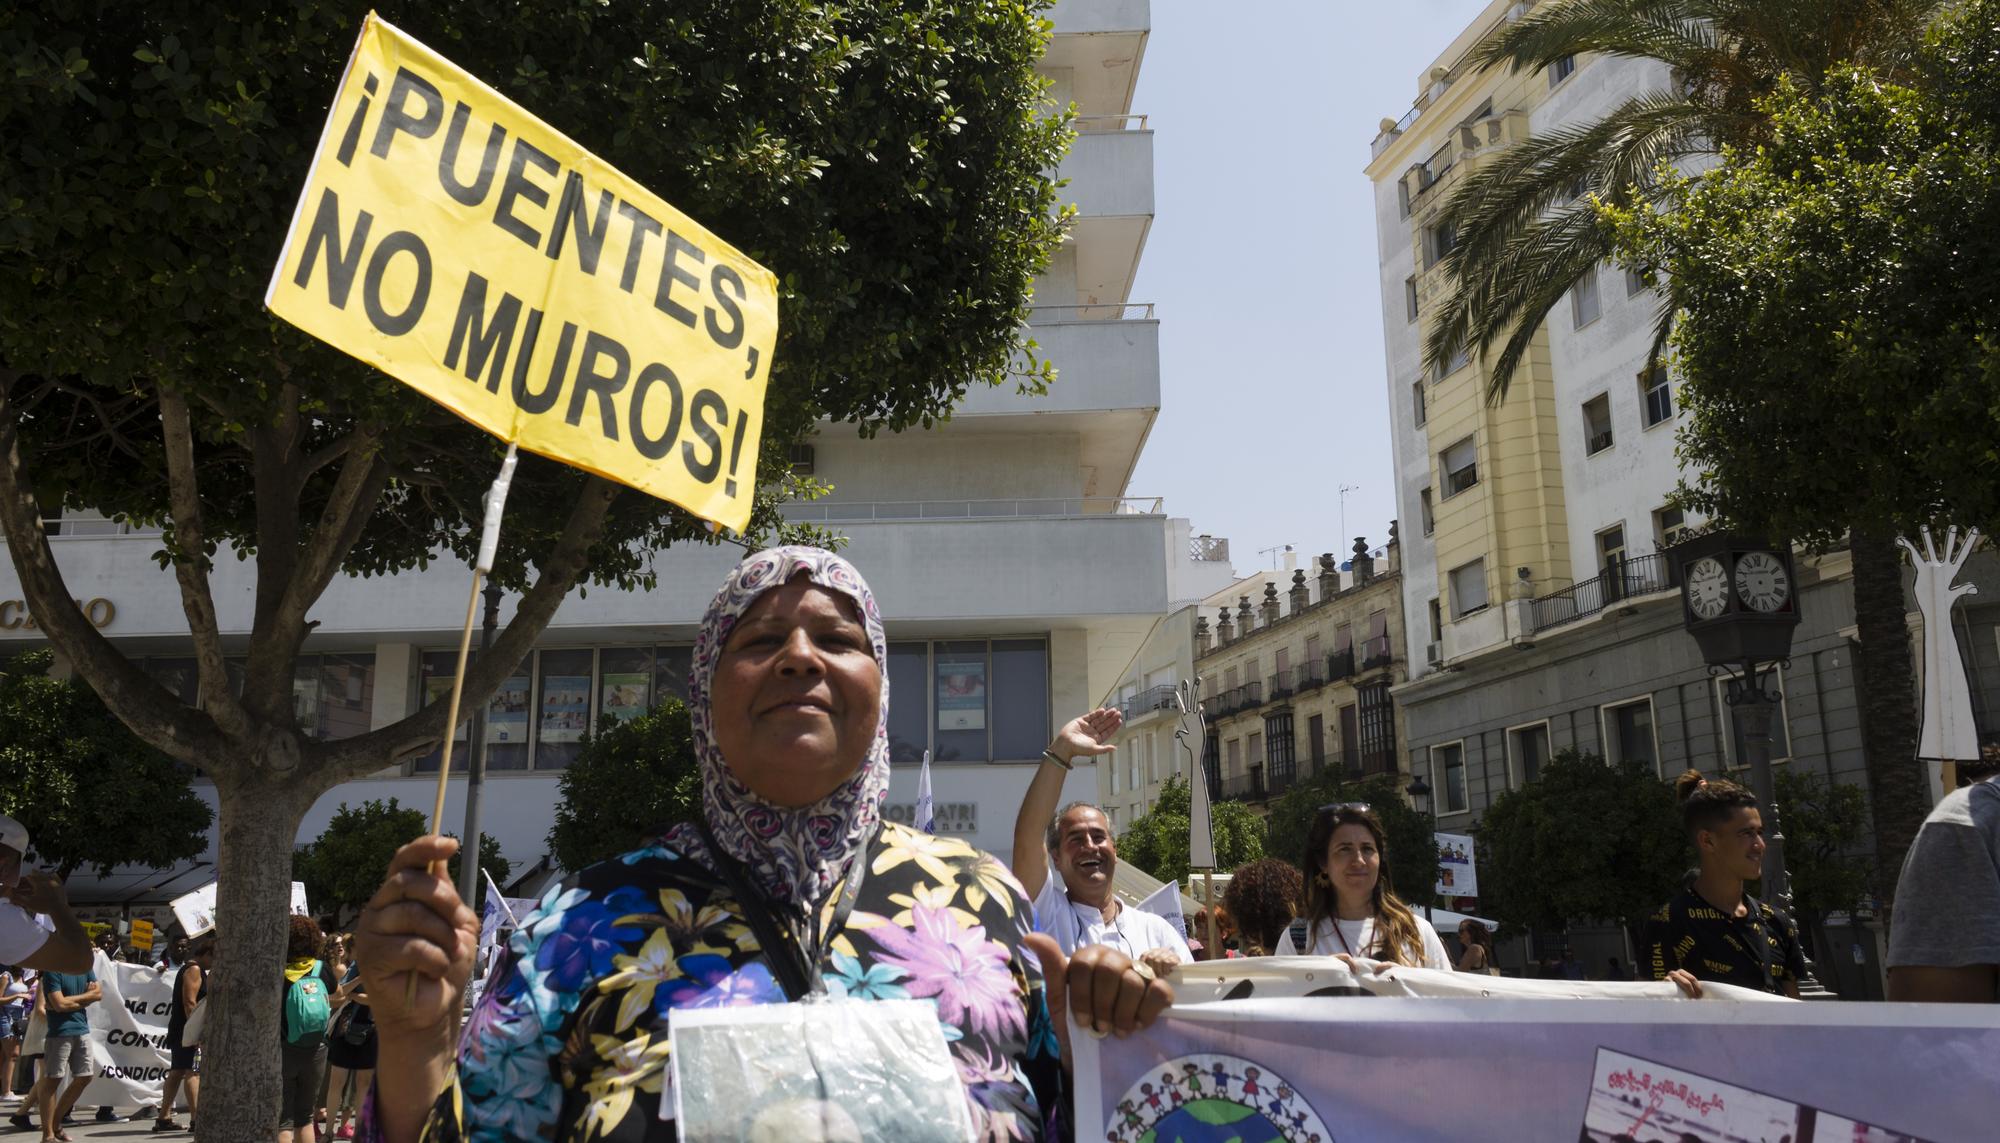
pixel 1131 931
pixel 22 935
pixel 1360 939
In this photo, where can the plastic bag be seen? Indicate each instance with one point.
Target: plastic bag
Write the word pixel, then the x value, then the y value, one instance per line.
pixel 834 1071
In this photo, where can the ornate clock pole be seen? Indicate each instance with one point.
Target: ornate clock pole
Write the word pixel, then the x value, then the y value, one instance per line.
pixel 1741 605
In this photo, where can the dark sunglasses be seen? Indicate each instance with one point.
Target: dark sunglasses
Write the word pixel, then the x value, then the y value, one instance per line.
pixel 1343 807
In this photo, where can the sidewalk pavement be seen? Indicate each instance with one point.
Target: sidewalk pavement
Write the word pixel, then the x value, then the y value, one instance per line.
pixel 87 1127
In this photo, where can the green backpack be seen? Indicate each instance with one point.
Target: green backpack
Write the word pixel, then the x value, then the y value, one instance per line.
pixel 307 1009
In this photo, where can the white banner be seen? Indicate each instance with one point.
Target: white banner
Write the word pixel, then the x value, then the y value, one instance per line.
pixel 128 1035
pixel 1307 1064
pixel 1458 870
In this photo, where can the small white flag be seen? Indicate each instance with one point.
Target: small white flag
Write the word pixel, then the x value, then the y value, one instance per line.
pixel 926 811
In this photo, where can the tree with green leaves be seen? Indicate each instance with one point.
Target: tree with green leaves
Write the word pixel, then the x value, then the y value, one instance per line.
pixel 889 161
pixel 1826 832
pixel 1582 841
pixel 342 867
pixel 630 781
pixel 1835 347
pixel 1158 841
pixel 91 794
pixel 1413 859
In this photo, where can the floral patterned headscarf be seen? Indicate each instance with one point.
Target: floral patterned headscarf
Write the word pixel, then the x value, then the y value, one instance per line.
pixel 797 854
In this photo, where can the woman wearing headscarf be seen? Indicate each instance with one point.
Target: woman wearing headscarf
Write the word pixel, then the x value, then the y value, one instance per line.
pixel 789 883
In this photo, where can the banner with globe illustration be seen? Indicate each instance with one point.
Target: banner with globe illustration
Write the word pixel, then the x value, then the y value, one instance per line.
pixel 1373 1069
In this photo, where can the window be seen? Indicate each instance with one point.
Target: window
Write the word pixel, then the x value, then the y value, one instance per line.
pixel 1656 396
pixel 1112 771
pixel 1418 410
pixel 562 717
pixel 1781 739
pixel 1611 547
pixel 1527 749
pixel 1439 241
pixel 1152 763
pixel 1430 518
pixel 1628 733
pixel 1283 759
pixel 1377 729
pixel 1316 741
pixel 1597 424
pixel 1636 281
pixel 1255 750
pixel 1448 778
pixel 1312 650
pixel 1376 653
pixel 1468 589
pixel 506 716
pixel 1437 620
pixel 1131 768
pixel 1229 679
pixel 1350 738
pixel 1403 197
pixel 1460 463
pixel 1233 752
pixel 1561 69
pixel 1669 527
pixel 1410 298
pixel 1584 306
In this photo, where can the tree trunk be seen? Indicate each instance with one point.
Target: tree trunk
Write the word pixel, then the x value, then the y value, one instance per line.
pixel 259 817
pixel 1886 680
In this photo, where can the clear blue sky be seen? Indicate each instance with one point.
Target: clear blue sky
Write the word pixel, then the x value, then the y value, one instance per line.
pixel 1262 261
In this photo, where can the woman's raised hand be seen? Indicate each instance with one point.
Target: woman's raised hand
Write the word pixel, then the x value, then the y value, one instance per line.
pixel 416 926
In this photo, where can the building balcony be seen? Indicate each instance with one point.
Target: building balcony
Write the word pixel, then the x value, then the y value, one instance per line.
pixel 1236 700
pixel 1340 665
pixel 1107 359
pixel 1624 580
pixel 1096 51
pixel 1308 676
pixel 1376 652
pixel 1109 170
pixel 1101 17
pixel 1149 702
pixel 1246 787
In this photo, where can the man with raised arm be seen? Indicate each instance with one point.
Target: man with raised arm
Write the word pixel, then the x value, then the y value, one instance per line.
pixel 1065 859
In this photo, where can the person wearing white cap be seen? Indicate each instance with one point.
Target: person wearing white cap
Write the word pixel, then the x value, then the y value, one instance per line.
pixel 24 940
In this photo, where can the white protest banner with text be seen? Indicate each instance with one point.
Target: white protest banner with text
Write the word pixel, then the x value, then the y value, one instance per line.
pixel 1370 1069
pixel 128 1035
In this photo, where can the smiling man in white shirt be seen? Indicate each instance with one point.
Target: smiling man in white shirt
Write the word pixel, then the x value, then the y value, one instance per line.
pixel 1072 887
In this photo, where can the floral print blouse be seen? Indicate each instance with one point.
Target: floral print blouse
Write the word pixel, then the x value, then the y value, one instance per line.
pixel 569 1042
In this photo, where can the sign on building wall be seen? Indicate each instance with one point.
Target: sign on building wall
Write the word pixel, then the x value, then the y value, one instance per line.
pixel 1458 871
pixel 961 696
pixel 954 819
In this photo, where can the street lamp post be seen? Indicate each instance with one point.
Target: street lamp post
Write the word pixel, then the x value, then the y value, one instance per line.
pixel 1420 789
pixel 1739 602
pixel 475 770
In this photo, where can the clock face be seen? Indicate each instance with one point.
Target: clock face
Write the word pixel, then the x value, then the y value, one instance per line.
pixel 1761 582
pixel 1707 588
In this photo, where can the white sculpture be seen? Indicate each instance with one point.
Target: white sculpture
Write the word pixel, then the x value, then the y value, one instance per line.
pixel 1948 733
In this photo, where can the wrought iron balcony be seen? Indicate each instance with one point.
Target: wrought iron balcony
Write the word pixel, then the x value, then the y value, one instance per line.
pixel 1146 702
pixel 1247 787
pixel 1340 665
pixel 1306 676
pixel 1624 579
pixel 1376 652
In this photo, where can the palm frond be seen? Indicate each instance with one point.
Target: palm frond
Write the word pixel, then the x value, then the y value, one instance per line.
pixel 1680 32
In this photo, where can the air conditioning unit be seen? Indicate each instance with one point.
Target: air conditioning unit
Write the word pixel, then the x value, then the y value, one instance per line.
pixel 802 459
pixel 1434 654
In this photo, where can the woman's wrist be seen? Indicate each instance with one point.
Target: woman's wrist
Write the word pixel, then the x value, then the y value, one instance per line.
pixel 1066 761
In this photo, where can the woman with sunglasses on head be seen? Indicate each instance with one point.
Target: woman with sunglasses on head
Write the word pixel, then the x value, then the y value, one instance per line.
pixel 1351 908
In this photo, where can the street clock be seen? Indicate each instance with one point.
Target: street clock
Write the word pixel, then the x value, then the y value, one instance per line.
pixel 1739 596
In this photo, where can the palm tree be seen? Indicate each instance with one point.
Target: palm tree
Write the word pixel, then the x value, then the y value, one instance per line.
pixel 1525 231
pixel 1524 234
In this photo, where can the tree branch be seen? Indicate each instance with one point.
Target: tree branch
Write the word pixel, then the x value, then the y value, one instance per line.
pixel 357 757
pixel 190 551
pixel 139 702
pixel 274 466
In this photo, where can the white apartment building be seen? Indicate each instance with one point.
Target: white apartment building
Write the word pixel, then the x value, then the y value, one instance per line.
pixel 1017 575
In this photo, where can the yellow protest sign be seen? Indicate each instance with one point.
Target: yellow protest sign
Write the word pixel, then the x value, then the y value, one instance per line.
pixel 459 244
pixel 142 934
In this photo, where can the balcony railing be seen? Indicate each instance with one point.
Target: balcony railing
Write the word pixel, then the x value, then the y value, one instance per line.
pixel 1375 652
pixel 1092 124
pixel 1146 702
pixel 1245 787
pixel 1624 579
pixel 822 511
pixel 1110 311
pixel 1279 685
pixel 1238 699
pixel 1340 665
pixel 1306 676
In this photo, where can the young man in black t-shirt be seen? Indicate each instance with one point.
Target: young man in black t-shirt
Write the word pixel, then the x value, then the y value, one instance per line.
pixel 1713 930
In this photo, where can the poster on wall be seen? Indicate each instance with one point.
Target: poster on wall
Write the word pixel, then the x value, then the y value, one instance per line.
pixel 1372 1069
pixel 1458 870
pixel 961 696
pixel 507 717
pixel 565 707
pixel 625 695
